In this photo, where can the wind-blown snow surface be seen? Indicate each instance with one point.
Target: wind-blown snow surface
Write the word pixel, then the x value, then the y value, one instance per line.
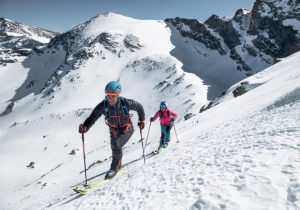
pixel 242 154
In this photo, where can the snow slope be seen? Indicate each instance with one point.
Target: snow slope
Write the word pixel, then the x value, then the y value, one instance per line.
pixel 241 154
pixel 227 158
pixel 56 90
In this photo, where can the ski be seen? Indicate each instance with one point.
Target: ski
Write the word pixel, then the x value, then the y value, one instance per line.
pixel 83 190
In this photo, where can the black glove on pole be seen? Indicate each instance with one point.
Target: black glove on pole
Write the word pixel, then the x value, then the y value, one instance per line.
pixel 82 135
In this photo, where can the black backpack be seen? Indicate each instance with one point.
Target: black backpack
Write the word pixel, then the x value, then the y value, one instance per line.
pixel 123 106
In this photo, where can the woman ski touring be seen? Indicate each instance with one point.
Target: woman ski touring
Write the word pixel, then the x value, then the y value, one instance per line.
pixel 167 118
pixel 116 111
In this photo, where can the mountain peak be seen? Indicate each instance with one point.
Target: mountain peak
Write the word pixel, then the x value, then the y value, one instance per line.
pixel 241 12
pixel 109 16
pixel 16 29
pixel 17 40
pixel 3 19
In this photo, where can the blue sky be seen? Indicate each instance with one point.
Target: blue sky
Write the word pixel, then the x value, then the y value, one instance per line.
pixel 61 15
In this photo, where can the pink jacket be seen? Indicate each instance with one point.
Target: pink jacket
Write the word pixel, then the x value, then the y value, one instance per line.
pixel 165 117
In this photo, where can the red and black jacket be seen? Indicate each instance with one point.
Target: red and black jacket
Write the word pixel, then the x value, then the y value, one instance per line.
pixel 115 117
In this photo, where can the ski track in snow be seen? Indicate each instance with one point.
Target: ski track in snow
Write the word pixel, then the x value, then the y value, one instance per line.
pixel 254 161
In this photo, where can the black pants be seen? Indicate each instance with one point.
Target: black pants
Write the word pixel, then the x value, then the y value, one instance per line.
pixel 118 138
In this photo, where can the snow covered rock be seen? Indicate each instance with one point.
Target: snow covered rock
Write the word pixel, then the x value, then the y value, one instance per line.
pixel 31 165
pixel 252 39
pixel 17 40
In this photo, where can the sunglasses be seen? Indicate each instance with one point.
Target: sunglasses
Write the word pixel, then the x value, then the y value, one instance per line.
pixel 113 94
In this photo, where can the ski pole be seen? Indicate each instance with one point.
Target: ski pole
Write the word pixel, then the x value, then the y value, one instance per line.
pixel 147 136
pixel 142 145
pixel 176 133
pixel 82 135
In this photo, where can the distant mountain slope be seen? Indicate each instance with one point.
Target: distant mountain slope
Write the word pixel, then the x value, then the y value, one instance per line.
pixel 17 39
pixel 234 48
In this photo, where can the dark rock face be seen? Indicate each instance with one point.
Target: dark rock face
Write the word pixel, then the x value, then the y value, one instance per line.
pixel 240 90
pixel 225 29
pixel 132 42
pixel 188 116
pixel 31 165
pixel 75 46
pixel 8 26
pixel 267 18
pixel 197 32
pixel 261 32
pixel 208 106
pixel 239 15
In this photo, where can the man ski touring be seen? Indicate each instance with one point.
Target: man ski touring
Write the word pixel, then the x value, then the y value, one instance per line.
pixel 167 118
pixel 116 111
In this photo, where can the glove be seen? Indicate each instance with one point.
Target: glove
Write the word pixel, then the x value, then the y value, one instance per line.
pixel 141 124
pixel 151 119
pixel 82 128
pixel 172 121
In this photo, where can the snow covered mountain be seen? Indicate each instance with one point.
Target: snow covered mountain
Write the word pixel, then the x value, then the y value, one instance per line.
pixel 244 44
pixel 108 46
pixel 241 154
pixel 51 91
pixel 237 47
pixel 17 40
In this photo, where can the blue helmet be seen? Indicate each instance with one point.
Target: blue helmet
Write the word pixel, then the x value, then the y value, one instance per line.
pixel 163 104
pixel 113 88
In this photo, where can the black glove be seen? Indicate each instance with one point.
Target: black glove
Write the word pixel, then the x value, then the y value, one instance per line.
pixel 141 124
pixel 151 119
pixel 172 121
pixel 82 128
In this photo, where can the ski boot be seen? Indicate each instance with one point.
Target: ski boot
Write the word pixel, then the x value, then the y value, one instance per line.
pixel 110 174
pixel 155 152
pixel 114 168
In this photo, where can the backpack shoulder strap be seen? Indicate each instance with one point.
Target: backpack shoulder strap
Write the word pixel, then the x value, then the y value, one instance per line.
pixel 123 105
pixel 168 113
pixel 106 108
pixel 160 114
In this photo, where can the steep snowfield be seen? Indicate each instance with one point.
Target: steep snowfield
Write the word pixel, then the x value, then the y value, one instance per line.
pixel 43 119
pixel 241 154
